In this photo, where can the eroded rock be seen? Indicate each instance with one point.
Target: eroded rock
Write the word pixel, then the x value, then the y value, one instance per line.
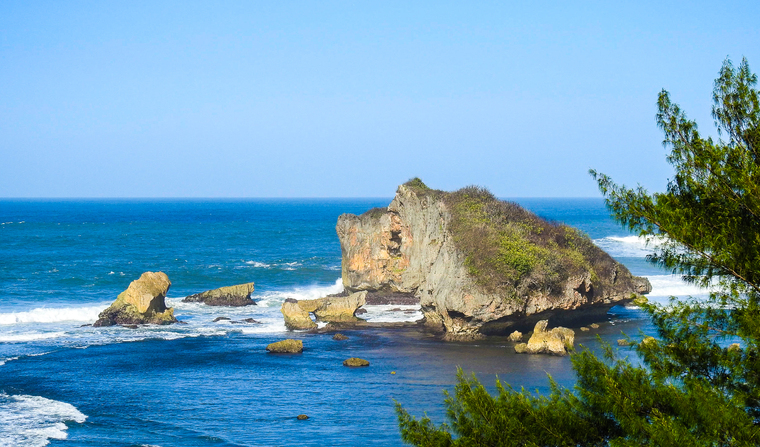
pixel 288 346
pixel 142 303
pixel 355 362
pixel 237 295
pixel 556 341
pixel 516 336
pixel 331 309
pixel 295 317
pixel 409 249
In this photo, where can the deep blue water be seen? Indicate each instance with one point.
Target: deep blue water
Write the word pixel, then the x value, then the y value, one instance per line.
pixel 207 383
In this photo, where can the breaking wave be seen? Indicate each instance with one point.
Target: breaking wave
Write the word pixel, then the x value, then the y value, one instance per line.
pixel 33 420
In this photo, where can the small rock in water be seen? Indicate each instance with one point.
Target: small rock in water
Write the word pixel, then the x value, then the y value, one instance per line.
pixel 623 342
pixel 221 319
pixel 182 322
pixel 594 326
pixel 252 321
pixel 521 348
pixel 85 325
pixel 288 346
pixel 302 417
pixel 393 372
pixel 339 336
pixel 130 326
pixel 360 311
pixel 516 336
pixel 396 309
pixel 355 361
pixel 584 329
pixel 735 347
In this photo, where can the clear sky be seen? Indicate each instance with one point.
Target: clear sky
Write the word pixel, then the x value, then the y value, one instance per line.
pixel 349 99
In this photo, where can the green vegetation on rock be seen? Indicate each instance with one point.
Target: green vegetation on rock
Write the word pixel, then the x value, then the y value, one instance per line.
pixel 510 251
pixel 696 387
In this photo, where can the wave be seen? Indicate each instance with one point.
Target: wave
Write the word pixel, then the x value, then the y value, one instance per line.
pixel 33 420
pixel 53 315
pixel 629 246
pixel 393 313
pixel 30 336
pixel 258 264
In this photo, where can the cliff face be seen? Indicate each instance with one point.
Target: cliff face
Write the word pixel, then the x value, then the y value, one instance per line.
pixel 410 249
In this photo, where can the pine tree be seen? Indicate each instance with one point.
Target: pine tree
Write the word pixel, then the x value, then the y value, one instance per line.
pixel 700 382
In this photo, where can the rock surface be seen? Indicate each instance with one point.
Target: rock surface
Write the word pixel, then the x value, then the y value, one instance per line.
pixel 409 250
pixel 332 309
pixel 516 336
pixel 556 341
pixel 142 303
pixel 288 346
pixel 355 361
pixel 296 318
pixel 339 337
pixel 238 295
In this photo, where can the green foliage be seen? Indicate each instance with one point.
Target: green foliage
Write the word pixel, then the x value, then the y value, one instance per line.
pixel 695 388
pixel 512 252
pixel 417 185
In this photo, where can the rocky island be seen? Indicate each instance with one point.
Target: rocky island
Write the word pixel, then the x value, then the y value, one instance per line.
pixel 142 303
pixel 478 265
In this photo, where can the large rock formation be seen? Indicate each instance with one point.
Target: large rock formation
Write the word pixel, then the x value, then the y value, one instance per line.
pixel 142 303
pixel 238 295
pixel 332 309
pixel 478 265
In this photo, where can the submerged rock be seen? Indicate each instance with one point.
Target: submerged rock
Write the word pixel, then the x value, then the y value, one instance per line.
pixel 288 346
pixel 238 295
pixel 556 341
pixel 221 319
pixel 302 417
pixel 425 245
pixel 584 329
pixel 624 342
pixel 142 303
pixel 355 362
pixel 339 337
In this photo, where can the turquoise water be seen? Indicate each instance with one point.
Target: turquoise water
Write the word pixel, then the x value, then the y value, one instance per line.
pixel 212 383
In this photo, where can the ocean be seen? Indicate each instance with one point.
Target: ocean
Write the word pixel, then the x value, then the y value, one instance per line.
pixel 208 383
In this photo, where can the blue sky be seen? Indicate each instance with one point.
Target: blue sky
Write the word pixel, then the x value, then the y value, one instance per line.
pixel 349 99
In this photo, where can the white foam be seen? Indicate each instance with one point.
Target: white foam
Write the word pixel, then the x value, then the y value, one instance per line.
pixel 29 336
pixel 673 285
pixel 33 420
pixel 52 315
pixel 258 264
pixel 392 313
pixel 629 246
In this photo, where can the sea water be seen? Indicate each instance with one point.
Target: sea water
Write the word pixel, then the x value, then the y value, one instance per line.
pixel 212 383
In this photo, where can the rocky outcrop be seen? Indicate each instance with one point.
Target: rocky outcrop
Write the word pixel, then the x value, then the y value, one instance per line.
pixel 332 309
pixel 238 295
pixel 411 249
pixel 142 303
pixel 288 346
pixel 556 341
pixel 516 336
pixel 355 362
pixel 296 319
